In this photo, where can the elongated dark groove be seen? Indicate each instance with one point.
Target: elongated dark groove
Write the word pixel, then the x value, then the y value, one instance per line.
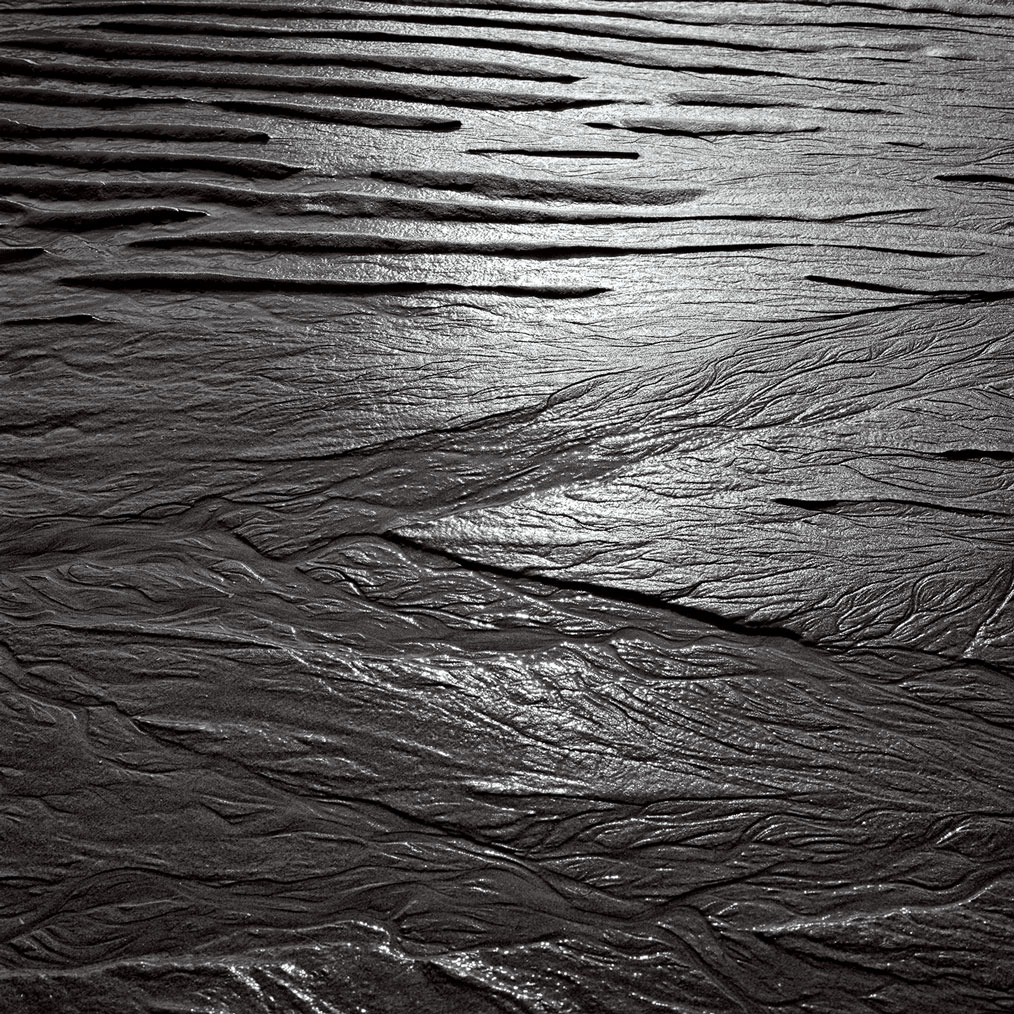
pixel 821 506
pixel 686 130
pixel 170 161
pixel 66 318
pixel 943 294
pixel 35 95
pixel 338 115
pixel 20 254
pixel 625 596
pixel 361 243
pixel 177 132
pixel 556 152
pixel 153 281
pixel 1006 181
pixel 977 454
pixel 110 218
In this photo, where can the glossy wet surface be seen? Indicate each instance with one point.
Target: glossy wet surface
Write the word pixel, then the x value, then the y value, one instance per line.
pixel 506 507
